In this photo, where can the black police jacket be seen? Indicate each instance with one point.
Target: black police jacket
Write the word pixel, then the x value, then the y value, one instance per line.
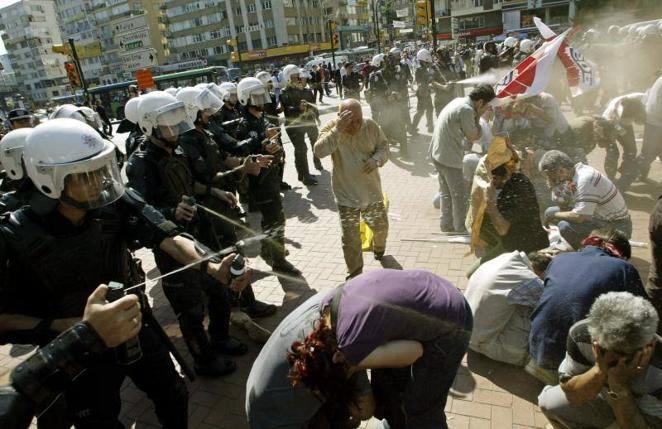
pixel 204 156
pixel 291 98
pixel 50 266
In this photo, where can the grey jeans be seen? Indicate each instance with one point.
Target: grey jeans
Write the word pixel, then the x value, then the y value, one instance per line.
pixel 453 197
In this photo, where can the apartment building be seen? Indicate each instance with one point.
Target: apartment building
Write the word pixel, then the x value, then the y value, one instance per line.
pixel 265 31
pixel 29 30
pixel 114 38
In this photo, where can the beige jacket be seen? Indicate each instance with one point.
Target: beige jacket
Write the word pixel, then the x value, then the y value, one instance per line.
pixel 351 186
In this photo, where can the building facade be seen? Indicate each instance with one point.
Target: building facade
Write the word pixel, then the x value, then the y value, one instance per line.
pixel 265 31
pixel 29 30
pixel 114 38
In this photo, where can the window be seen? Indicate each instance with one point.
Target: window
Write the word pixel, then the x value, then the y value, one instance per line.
pixel 271 42
pixel 257 43
pixel 266 4
pixel 268 23
pixel 251 8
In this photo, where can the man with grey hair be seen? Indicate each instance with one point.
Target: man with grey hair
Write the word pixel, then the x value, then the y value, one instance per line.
pixel 612 372
pixel 586 199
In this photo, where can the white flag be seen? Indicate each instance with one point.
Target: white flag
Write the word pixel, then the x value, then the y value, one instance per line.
pixel 582 74
pixel 531 76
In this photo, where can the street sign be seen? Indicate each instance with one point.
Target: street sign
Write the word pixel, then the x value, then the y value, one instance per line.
pixel 134 60
pixel 131 24
pixel 193 64
pixel 399 24
pixel 401 13
pixel 134 39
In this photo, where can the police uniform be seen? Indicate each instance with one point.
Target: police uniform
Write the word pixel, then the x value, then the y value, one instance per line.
pixel 265 188
pixel 376 95
pixel 312 121
pixel 397 104
pixel 163 178
pixel 425 76
pixel 290 99
pixel 271 112
pixel 51 267
pixel 352 85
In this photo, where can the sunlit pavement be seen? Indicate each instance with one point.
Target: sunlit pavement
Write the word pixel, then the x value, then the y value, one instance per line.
pixel 486 394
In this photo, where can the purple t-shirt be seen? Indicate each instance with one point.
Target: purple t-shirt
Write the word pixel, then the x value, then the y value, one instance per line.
pixel 386 305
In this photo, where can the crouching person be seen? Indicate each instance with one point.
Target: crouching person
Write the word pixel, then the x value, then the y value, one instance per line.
pixel 612 372
pixel 502 294
pixel 411 328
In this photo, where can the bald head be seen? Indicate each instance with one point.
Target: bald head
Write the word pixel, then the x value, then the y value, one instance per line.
pixel 354 107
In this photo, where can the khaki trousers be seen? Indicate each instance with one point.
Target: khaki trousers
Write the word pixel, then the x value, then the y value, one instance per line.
pixel 375 217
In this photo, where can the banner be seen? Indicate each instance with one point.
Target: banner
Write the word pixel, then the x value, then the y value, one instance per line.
pixel 531 76
pixel 401 13
pixel 399 24
pixel 582 74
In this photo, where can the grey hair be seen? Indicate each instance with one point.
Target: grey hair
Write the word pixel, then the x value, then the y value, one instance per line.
pixel 553 160
pixel 622 321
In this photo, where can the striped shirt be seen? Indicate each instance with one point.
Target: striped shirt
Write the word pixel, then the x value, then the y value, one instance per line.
pixel 597 196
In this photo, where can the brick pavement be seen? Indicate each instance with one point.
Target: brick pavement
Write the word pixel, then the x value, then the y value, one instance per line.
pixel 486 394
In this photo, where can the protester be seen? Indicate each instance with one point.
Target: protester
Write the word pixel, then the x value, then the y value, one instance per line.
pixel 502 294
pixel 456 122
pixel 105 120
pixel 587 199
pixel 622 113
pixel 351 82
pixel 572 282
pixel 358 148
pixel 411 328
pixel 610 374
pixel 272 401
pixel 506 216
pixel 654 284
pixel 549 124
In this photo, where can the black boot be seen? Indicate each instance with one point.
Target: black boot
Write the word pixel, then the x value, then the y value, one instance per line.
pixel 230 346
pixel 254 308
pixel 214 367
pixel 303 172
pixel 318 164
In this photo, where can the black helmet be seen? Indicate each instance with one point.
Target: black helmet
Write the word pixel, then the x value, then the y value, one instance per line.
pixel 19 114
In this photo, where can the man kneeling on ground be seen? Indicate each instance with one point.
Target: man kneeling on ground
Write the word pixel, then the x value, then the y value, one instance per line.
pixel 612 373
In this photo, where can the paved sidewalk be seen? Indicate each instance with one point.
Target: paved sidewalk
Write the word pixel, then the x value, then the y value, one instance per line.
pixel 486 394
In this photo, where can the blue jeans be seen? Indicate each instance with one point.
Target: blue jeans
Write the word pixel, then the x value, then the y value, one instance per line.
pixel 574 233
pixel 453 197
pixel 414 397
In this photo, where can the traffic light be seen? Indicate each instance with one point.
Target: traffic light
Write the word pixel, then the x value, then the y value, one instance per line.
pixel 60 49
pixel 336 39
pixel 231 42
pixel 72 73
pixel 332 24
pixel 234 57
pixel 422 12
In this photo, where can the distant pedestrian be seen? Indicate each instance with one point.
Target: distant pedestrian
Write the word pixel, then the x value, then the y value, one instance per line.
pixel 105 120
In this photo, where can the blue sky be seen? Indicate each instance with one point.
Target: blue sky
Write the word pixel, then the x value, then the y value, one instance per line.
pixel 4 3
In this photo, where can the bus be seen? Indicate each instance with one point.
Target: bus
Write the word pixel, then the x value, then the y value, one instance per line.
pixel 114 95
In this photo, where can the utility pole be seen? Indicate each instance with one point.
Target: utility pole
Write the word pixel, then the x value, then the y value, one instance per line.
pixel 433 24
pixel 236 44
pixel 375 22
pixel 74 54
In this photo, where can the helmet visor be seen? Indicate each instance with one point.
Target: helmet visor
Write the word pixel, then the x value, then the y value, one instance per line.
pixel 259 98
pixel 208 102
pixel 95 188
pixel 174 121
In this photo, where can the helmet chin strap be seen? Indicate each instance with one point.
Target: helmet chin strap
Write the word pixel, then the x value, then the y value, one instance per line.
pixel 155 135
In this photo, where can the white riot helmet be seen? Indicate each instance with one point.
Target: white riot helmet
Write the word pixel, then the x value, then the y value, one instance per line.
pixel 160 110
pixel 228 92
pixel 527 46
pixel 251 92
pixel 172 91
pixel 202 85
pixel 510 42
pixel 131 110
pixel 84 114
pixel 188 97
pixel 290 71
pixel 67 151
pixel 11 152
pixel 263 77
pixel 424 55
pixel 395 52
pixel 377 60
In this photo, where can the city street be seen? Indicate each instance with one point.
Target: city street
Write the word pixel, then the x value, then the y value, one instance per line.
pixel 486 394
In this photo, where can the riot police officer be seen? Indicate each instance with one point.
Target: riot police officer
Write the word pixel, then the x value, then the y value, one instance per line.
pixel 272 110
pixel 53 260
pixel 206 165
pixel 265 188
pixel 311 117
pixel 397 76
pixel 297 114
pixel 230 111
pixel 375 93
pixel 489 58
pixel 16 187
pixel 160 172
pixel 428 78
pixel 130 124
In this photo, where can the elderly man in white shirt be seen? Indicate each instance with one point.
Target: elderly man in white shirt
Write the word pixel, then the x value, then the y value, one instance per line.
pixel 587 199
